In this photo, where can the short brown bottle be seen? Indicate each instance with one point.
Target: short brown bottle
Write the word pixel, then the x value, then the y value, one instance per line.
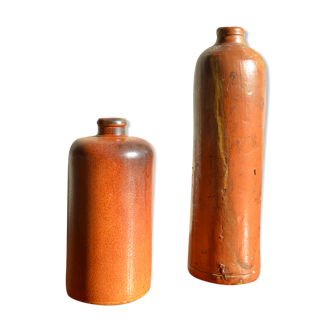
pixel 109 216
pixel 229 99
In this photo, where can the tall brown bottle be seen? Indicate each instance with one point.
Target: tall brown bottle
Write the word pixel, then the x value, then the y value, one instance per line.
pixel 229 99
pixel 109 216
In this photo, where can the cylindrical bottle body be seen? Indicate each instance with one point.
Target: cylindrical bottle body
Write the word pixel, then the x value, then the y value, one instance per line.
pixel 229 98
pixel 109 219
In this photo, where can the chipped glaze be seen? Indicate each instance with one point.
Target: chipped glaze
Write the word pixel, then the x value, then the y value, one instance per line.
pixel 229 98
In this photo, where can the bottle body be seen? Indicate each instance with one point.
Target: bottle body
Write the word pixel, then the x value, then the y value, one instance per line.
pixel 109 218
pixel 229 98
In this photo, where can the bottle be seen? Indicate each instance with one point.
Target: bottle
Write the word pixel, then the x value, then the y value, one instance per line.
pixel 229 99
pixel 109 216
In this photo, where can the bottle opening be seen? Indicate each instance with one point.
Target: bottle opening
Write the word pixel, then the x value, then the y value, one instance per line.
pixel 111 121
pixel 229 30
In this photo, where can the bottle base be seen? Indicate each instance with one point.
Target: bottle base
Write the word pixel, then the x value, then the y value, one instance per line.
pixel 107 303
pixel 224 279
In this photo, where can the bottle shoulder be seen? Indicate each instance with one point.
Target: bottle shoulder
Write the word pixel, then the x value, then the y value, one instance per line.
pixel 230 52
pixel 233 71
pixel 111 146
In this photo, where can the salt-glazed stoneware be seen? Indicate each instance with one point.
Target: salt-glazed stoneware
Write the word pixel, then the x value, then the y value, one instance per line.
pixel 109 216
pixel 229 99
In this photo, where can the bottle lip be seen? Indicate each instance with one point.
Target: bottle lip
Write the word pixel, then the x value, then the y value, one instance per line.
pixel 112 122
pixel 226 31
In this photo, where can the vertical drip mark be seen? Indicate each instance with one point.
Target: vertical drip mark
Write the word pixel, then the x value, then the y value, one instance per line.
pixel 220 118
pixel 223 213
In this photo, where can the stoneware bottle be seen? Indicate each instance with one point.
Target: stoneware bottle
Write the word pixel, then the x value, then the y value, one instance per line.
pixel 109 216
pixel 229 99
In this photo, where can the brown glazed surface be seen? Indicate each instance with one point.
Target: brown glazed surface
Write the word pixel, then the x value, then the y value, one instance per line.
pixel 229 99
pixel 109 216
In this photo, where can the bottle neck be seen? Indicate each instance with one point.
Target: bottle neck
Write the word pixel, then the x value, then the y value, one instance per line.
pixel 112 126
pixel 230 35
pixel 111 131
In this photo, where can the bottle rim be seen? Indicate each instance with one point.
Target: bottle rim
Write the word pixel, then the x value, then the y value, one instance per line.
pixel 112 122
pixel 226 31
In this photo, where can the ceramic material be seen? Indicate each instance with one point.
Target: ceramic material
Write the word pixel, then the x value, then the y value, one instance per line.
pixel 229 99
pixel 109 216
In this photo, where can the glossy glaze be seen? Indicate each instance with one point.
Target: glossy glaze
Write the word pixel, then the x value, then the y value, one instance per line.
pixel 109 216
pixel 229 99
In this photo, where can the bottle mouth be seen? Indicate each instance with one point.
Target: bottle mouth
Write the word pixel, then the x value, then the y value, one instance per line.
pixel 112 122
pixel 227 31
